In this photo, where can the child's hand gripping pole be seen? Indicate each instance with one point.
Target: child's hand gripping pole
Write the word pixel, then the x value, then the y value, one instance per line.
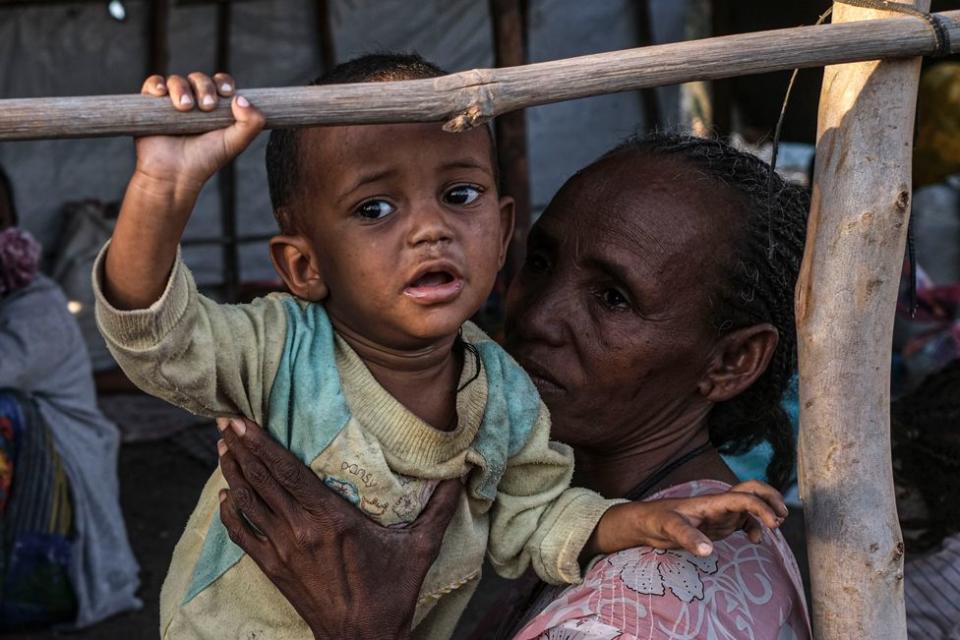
pixel 689 523
pixel 169 174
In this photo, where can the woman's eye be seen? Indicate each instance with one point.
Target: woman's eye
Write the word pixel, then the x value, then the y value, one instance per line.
pixel 462 195
pixel 375 209
pixel 613 299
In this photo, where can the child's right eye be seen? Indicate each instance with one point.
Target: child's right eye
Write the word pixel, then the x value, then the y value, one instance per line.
pixel 374 209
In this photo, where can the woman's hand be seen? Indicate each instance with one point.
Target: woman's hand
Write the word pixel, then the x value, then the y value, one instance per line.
pixel 344 574
pixel 689 523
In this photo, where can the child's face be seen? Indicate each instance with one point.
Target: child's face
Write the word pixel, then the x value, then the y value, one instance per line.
pixel 405 226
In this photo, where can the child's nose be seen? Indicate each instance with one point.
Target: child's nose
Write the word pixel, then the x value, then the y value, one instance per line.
pixel 430 226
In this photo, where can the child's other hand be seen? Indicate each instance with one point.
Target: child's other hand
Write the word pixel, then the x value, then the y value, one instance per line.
pixel 691 523
pixel 187 162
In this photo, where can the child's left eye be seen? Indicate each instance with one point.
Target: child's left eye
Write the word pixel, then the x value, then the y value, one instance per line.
pixel 462 195
pixel 374 209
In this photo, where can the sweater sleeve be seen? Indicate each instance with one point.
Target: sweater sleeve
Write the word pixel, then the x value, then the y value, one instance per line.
pixel 537 518
pixel 211 359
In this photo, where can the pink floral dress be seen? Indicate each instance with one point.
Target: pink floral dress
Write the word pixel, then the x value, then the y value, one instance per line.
pixel 743 591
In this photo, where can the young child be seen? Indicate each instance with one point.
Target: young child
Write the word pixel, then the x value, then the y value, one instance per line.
pixel 391 238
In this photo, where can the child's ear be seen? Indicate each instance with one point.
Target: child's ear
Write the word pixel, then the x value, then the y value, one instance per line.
pixel 294 260
pixel 508 214
pixel 740 358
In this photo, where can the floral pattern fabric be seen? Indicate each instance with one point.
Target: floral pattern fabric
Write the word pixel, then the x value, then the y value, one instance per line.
pixel 742 591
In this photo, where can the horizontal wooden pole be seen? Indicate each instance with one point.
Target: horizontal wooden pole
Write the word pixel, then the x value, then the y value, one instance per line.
pixel 468 98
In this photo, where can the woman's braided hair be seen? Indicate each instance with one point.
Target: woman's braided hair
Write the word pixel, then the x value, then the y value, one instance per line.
pixel 756 285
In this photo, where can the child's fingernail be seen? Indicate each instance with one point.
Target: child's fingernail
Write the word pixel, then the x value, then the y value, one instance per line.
pixel 226 87
pixel 161 86
pixel 208 101
pixel 241 101
pixel 221 447
pixel 704 549
pixel 238 426
pixel 185 99
pixel 222 423
pixel 223 495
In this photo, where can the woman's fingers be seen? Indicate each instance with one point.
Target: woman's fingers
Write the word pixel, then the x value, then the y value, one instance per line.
pixel 238 530
pixel 286 469
pixel 678 530
pixel 255 477
pixel 440 508
pixel 155 85
pixel 225 84
pixel 204 90
pixel 181 95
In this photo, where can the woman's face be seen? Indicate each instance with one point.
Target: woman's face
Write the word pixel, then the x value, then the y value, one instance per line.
pixel 610 313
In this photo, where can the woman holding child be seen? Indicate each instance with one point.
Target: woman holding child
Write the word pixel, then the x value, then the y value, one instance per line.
pixel 593 319
pixel 653 356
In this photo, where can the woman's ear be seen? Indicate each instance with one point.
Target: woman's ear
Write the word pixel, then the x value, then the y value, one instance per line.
pixel 740 358
pixel 294 260
pixel 507 221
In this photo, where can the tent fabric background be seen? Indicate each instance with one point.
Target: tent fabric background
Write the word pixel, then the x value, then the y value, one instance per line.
pixel 77 49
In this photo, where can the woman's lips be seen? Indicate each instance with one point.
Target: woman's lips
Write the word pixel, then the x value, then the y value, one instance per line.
pixel 545 383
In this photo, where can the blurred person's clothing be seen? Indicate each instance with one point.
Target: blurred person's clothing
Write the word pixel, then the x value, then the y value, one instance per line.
pixel 36 521
pixel 42 355
pixel 931 586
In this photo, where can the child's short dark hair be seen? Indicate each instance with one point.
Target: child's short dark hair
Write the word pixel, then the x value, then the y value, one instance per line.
pixel 283 168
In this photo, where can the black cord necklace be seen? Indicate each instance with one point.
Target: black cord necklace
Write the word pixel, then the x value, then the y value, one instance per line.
pixel 641 489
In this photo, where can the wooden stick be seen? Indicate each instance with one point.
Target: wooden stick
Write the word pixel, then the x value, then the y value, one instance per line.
pixel 509 39
pixel 471 97
pixel 846 296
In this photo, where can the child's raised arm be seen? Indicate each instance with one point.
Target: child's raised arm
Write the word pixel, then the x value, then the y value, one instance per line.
pixel 169 174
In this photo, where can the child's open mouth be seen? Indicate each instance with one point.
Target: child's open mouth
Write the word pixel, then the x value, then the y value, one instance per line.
pixel 434 286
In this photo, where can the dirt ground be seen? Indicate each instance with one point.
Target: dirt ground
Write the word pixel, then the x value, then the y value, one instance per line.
pixel 159 485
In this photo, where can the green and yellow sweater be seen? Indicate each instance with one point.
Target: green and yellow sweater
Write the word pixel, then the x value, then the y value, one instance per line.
pixel 278 362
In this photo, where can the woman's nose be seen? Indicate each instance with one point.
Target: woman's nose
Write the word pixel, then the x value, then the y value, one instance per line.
pixel 429 225
pixel 538 314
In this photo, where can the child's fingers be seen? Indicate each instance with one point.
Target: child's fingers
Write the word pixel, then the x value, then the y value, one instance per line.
pixel 155 85
pixel 684 535
pixel 225 84
pixel 735 501
pixel 204 90
pixel 181 95
pixel 764 491
pixel 249 122
pixel 753 529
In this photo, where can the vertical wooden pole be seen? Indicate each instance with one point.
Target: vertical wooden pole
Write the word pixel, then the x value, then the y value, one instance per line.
pixel 721 91
pixel 328 52
pixel 158 56
pixel 509 41
pixel 652 118
pixel 227 178
pixel 846 297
